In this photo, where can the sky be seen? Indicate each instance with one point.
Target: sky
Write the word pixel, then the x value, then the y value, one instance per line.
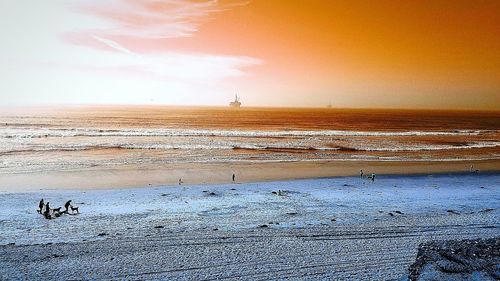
pixel 298 53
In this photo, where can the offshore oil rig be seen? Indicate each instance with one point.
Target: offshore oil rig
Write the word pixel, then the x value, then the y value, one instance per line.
pixel 236 103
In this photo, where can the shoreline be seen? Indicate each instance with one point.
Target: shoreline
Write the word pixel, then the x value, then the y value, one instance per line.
pixel 220 173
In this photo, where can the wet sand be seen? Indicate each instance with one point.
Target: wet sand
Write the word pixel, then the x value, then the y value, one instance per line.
pixel 198 173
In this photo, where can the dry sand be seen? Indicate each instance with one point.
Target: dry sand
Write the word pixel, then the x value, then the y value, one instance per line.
pixel 199 173
pixel 369 252
pixel 342 228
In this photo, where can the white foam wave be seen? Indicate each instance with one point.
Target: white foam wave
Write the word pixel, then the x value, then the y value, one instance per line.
pixel 432 147
pixel 238 146
pixel 61 132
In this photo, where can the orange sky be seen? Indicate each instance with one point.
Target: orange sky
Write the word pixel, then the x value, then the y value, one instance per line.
pixel 432 54
pixel 406 50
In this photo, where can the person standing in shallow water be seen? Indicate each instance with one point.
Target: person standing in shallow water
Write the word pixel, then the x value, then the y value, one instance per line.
pixel 234 177
pixel 360 173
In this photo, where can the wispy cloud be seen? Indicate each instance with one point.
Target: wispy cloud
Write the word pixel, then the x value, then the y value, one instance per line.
pixel 81 51
pixel 112 44
pixel 155 18
pixel 124 20
pixel 187 67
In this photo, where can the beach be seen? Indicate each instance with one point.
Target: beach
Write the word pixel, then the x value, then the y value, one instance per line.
pixel 250 140
pixel 220 173
pixel 298 208
pixel 339 228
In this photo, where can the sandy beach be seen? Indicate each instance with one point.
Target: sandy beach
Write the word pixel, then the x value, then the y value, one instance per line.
pixel 341 228
pixel 220 173
pixel 298 209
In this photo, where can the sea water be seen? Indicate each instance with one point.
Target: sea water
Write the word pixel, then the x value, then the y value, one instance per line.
pixel 68 138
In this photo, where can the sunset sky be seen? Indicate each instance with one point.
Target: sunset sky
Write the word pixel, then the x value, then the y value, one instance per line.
pixel 306 53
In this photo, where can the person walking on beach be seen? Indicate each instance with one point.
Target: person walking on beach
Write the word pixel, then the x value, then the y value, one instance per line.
pixel 361 173
pixel 234 177
pixel 373 177
pixel 46 214
pixel 40 206
pixel 472 170
pixel 67 205
pixel 180 181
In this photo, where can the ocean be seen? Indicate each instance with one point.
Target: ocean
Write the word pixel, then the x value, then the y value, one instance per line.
pixel 72 138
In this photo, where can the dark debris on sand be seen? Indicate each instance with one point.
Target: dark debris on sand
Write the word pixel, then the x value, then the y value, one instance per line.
pixel 453 212
pixel 457 260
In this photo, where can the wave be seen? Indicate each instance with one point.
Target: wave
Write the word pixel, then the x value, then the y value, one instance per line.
pixel 367 149
pixel 427 147
pixel 81 132
pixel 250 147
pixel 161 147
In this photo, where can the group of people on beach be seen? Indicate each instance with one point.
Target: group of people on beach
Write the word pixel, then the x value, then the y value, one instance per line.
pixel 49 213
pixel 370 177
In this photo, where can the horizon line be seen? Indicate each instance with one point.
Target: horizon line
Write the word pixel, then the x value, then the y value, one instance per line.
pixel 69 105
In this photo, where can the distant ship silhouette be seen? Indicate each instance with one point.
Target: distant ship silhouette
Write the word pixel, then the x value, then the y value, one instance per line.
pixel 236 103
